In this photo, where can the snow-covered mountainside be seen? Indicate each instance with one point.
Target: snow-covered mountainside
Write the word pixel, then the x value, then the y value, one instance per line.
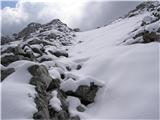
pixel 53 72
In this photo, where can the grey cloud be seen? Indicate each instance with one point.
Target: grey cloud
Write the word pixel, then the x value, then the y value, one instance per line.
pixel 94 14
pixel 102 13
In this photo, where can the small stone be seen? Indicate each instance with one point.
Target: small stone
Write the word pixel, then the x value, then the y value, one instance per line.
pixel 80 108
pixel 79 67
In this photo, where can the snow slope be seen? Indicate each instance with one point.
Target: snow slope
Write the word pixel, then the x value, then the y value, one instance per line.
pixel 129 72
pixel 120 59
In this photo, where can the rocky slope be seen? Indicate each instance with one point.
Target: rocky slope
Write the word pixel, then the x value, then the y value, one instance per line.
pixel 49 71
pixel 39 47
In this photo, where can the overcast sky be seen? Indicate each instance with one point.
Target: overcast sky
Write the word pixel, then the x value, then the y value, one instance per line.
pixel 85 15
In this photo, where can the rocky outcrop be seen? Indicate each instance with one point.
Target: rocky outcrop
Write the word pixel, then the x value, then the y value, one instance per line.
pixel 42 44
pixel 44 86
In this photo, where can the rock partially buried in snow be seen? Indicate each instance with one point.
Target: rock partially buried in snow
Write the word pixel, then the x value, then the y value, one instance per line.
pixel 59 53
pixel 6 72
pixel 86 94
pixel 6 60
pixel 40 73
pixel 85 89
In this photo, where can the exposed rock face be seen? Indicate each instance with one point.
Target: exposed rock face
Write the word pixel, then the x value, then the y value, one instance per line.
pixel 6 72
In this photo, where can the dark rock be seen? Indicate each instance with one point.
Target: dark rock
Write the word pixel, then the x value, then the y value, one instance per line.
pixel 62 97
pixel 5 40
pixel 41 81
pixel 15 50
pixel 76 30
pixel 150 37
pixel 79 67
pixel 68 68
pixel 75 118
pixel 45 59
pixel 51 36
pixel 38 70
pixel 62 115
pixel 59 53
pixel 6 60
pixel 55 84
pixel 36 50
pixel 42 106
pixel 18 51
pixel 80 108
pixel 65 43
pixel 138 35
pixel 86 94
pixel 41 74
pixel 6 72
pixel 32 27
pixel 8 50
pixel 62 76
pixel 30 55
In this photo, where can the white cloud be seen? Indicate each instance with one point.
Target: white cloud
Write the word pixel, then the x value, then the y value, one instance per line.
pixel 85 14
pixel 26 11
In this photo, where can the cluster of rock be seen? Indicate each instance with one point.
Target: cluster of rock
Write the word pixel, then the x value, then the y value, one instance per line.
pixel 143 7
pixel 42 44
pixel 149 30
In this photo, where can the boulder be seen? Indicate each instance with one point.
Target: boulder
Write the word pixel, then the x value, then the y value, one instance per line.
pixel 36 50
pixel 6 72
pixel 59 53
pixel 40 73
pixel 6 60
pixel 85 93
pixel 51 36
pixel 75 118
pixel 76 30
pixel 41 81
pixel 5 40
pixel 45 59
pixel 8 50
pixel 150 37
pixel 42 106
pixel 37 41
pixel 80 108
pixel 55 83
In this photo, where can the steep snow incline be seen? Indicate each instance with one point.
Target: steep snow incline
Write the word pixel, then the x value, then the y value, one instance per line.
pixel 130 72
